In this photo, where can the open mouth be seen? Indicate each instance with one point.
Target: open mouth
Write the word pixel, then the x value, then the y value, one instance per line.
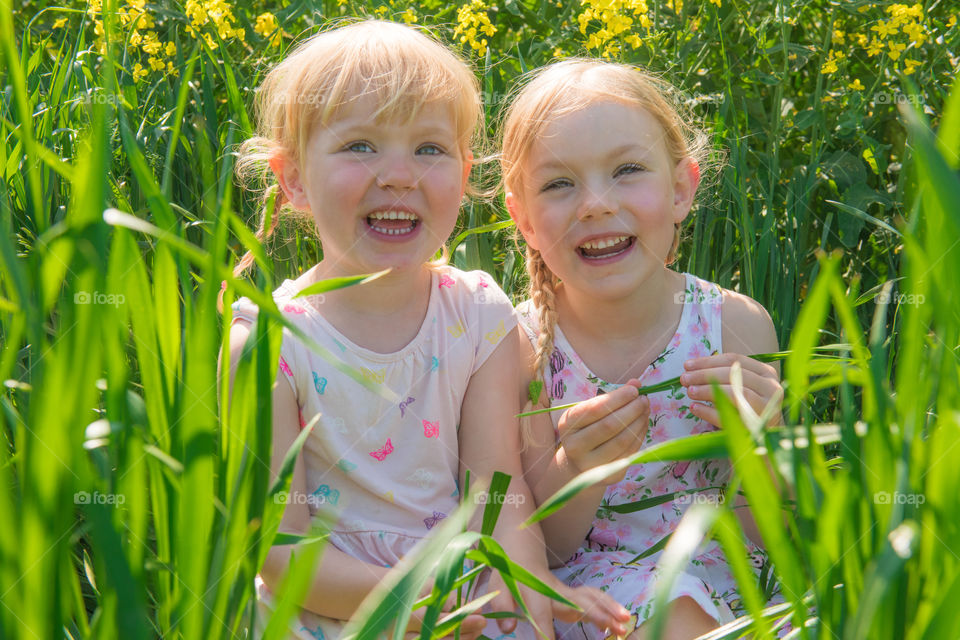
pixel 606 247
pixel 393 223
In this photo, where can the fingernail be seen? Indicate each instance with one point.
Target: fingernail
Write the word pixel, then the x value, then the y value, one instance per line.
pixel 684 378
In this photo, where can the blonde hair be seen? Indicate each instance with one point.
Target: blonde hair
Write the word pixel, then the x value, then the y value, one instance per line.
pixel 566 87
pixel 405 68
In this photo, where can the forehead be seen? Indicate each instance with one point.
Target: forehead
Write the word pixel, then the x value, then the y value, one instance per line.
pixel 598 129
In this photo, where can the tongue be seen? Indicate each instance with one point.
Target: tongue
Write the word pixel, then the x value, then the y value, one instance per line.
pixel 391 224
pixel 606 251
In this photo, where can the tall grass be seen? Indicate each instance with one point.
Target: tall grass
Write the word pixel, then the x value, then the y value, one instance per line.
pixel 133 504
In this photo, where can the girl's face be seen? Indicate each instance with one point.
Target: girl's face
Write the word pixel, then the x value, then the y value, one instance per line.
pixel 600 196
pixel 382 194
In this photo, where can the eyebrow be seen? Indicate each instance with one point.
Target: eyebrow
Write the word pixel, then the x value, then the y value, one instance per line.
pixel 613 153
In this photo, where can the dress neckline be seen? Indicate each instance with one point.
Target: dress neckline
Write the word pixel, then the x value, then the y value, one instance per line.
pixel 346 343
pixel 580 364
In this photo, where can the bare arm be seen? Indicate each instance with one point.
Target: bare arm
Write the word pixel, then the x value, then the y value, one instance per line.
pixel 547 469
pixel 340 582
pixel 747 329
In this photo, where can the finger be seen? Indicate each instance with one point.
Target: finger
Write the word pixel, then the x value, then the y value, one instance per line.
pixel 706 394
pixel 504 602
pixel 594 409
pixel 750 377
pixel 727 360
pixel 698 388
pixel 591 436
pixel 471 627
pixel 706 413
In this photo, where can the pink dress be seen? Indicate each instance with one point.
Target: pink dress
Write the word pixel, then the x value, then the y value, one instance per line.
pixel 385 471
pixel 608 558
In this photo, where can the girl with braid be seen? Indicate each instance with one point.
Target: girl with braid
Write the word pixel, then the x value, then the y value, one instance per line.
pixel 599 171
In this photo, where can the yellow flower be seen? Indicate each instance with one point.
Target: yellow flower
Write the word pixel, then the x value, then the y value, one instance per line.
pixel 138 72
pixel 266 26
pixel 895 49
pixel 59 22
pixel 830 66
pixel 875 48
pixel 839 36
pixel 633 40
pixel 156 64
pixel 170 49
pixel 884 29
pixel 856 85
pixel 382 9
pixel 826 98
pixel 716 2
pixel 862 40
pixel 952 21
pixel 473 19
pixel 910 66
pixel 409 16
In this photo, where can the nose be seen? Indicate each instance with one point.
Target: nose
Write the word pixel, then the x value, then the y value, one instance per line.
pixel 597 201
pixel 396 172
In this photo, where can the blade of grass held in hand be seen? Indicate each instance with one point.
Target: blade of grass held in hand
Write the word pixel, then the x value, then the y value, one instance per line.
pixel 673 383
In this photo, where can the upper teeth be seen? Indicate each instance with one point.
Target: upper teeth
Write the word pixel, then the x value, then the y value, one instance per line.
pixel 393 215
pixel 603 244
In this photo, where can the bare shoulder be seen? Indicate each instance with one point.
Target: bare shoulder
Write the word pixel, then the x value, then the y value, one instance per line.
pixel 747 327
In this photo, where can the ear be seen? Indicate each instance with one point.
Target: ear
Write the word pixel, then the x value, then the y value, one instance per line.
pixel 520 219
pixel 288 175
pixel 686 179
pixel 467 165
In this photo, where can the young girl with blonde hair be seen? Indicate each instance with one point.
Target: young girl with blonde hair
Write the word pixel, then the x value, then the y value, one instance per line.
pixel 599 171
pixel 368 129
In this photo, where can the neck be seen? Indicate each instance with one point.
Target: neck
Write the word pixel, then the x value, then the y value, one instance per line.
pixel 385 296
pixel 622 318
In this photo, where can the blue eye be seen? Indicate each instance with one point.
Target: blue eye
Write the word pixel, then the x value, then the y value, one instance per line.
pixel 360 146
pixel 627 168
pixel 556 184
pixel 430 149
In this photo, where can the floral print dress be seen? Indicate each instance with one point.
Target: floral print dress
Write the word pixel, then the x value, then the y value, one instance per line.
pixel 616 555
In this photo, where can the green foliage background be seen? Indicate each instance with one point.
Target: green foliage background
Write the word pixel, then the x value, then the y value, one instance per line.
pixel 807 102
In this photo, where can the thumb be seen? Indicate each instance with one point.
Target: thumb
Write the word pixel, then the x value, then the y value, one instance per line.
pixel 503 601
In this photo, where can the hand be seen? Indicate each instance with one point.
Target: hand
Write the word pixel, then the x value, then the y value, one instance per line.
pixel 599 608
pixel 605 428
pixel 538 605
pixel 761 384
pixel 470 628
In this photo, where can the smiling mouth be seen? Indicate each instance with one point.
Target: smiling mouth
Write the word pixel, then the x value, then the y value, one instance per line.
pixel 606 248
pixel 393 223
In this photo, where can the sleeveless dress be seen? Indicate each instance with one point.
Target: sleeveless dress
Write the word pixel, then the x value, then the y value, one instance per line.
pixel 385 472
pixel 607 559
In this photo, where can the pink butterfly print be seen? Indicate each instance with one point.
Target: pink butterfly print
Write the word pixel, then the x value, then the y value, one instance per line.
pixel 483 283
pixel 381 453
pixel 294 308
pixel 285 367
pixel 431 429
pixel 446 281
pixel 432 521
pixel 406 403
pixel 680 468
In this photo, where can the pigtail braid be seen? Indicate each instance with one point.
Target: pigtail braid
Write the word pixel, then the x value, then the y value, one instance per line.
pixel 542 292
pixel 273 201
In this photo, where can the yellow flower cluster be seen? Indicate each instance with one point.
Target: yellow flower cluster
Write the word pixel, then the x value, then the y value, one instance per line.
pixel 267 27
pixel 830 66
pixel 615 19
pixel 217 13
pixel 904 28
pixel 472 20
pixel 132 17
pixel 409 16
